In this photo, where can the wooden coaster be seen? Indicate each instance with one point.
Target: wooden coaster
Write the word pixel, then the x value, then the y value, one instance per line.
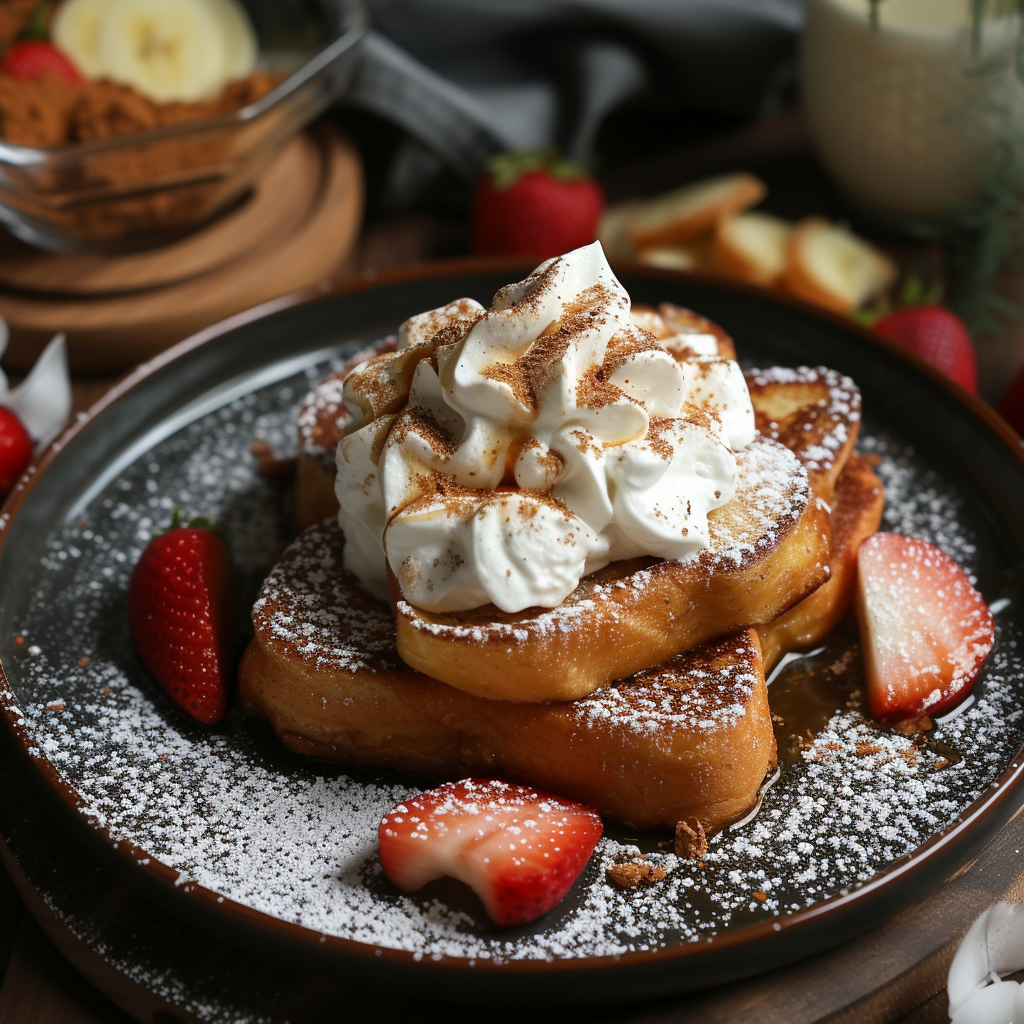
pixel 293 232
pixel 278 202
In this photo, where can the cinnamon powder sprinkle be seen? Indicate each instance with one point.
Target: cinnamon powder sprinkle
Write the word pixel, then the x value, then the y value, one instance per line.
pixel 640 872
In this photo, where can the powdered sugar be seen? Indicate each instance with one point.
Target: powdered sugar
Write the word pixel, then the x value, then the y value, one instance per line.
pixel 230 810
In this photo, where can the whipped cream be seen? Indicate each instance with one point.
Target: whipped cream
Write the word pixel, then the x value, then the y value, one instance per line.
pixel 499 455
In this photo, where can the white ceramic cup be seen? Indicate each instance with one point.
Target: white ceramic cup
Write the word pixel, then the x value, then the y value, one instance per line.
pixel 881 104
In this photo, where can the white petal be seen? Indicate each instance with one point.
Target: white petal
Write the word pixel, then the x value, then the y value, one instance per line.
pixel 43 399
pixel 993 1004
pixel 993 946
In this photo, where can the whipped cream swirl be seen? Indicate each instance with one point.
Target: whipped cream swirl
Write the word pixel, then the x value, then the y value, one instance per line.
pixel 502 454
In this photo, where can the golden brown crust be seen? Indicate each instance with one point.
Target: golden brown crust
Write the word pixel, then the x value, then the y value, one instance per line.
pixel 856 514
pixel 769 548
pixel 814 412
pixel 692 737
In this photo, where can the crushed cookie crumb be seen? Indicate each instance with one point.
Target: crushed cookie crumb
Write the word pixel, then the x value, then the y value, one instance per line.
pixel 691 840
pixel 632 873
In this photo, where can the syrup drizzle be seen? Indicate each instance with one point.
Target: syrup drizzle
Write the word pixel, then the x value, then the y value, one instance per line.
pixel 808 689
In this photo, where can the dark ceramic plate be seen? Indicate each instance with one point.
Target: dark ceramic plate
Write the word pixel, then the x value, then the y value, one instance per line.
pixel 235 834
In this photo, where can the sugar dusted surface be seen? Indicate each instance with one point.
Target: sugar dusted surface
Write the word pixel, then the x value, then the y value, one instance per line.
pixel 232 811
pixel 772 492
pixel 842 406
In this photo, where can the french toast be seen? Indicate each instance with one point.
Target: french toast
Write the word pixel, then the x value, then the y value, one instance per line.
pixel 815 413
pixel 689 737
pixel 692 737
pixel 769 548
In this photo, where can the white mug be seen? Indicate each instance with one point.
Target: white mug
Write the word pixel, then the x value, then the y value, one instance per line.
pixel 888 107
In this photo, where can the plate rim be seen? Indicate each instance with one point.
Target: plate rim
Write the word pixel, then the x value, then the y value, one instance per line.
pixel 955 844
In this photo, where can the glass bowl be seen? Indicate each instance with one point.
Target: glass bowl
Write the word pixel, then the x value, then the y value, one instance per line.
pixel 141 190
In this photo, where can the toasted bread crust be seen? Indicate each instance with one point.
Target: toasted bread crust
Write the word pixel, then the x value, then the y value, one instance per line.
pixel 856 514
pixel 814 412
pixel 690 737
pixel 769 548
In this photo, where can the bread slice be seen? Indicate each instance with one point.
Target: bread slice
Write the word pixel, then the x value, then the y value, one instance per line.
pixel 814 412
pixel 856 513
pixel 829 265
pixel 689 737
pixel 692 210
pixel 752 247
pixel 693 737
pixel 768 549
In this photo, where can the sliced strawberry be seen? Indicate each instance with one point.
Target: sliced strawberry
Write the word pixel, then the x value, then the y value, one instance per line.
pixel 15 449
pixel 520 849
pixel 924 629
pixel 33 58
pixel 182 604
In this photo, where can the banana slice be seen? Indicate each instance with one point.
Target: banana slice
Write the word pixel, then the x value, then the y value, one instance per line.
pixel 693 210
pixel 694 254
pixel 239 37
pixel 75 29
pixel 166 49
pixel 752 246
pixel 828 264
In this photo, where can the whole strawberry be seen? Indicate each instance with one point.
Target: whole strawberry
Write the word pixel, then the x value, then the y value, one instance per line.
pixel 526 205
pixel 938 335
pixel 15 449
pixel 33 58
pixel 182 605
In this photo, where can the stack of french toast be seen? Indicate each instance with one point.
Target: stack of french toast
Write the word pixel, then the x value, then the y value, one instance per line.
pixel 644 693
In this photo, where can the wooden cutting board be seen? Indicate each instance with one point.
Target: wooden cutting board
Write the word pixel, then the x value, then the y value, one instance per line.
pixel 293 231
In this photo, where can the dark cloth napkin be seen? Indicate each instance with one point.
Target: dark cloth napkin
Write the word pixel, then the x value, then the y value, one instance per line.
pixel 468 78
